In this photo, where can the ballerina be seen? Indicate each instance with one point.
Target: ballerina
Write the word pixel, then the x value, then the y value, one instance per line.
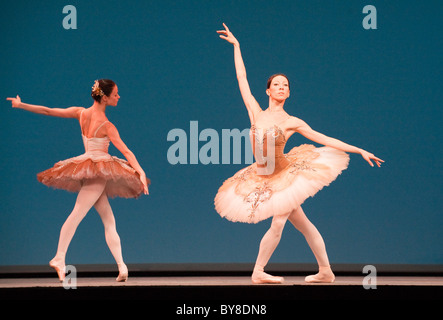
pixel 95 175
pixel 277 184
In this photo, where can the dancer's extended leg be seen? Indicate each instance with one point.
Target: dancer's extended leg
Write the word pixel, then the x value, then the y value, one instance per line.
pixel 267 246
pixel 316 243
pixel 112 238
pixel 87 196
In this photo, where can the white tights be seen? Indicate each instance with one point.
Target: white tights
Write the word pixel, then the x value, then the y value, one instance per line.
pixel 272 237
pixel 91 194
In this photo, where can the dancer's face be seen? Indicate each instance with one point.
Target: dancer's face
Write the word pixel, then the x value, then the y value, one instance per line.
pixel 279 88
pixel 113 98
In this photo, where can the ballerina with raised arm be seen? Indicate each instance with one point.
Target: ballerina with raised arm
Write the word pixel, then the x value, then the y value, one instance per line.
pixel 277 183
pixel 95 175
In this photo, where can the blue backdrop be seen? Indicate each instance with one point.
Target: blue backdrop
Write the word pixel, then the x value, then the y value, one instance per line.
pixel 378 89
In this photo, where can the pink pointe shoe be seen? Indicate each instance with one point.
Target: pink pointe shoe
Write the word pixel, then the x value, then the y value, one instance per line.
pixel 325 275
pixel 59 267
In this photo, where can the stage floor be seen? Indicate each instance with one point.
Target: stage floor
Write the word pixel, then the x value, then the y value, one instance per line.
pixel 176 290
pixel 212 281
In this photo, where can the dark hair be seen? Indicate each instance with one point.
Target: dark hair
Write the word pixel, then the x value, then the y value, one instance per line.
pixel 268 84
pixel 105 87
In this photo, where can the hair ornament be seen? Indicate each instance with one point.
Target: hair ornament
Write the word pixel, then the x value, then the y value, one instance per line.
pixel 96 90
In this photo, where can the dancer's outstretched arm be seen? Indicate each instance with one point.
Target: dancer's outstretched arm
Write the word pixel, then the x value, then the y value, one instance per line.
pixel 251 104
pixel 72 112
pixel 304 129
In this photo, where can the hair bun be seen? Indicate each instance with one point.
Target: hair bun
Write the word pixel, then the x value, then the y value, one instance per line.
pixel 96 90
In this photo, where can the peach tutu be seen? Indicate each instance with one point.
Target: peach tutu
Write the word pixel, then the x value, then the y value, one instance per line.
pixel 251 197
pixel 122 180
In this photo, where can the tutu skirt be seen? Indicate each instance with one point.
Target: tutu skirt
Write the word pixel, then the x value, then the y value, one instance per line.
pixel 248 197
pixel 122 180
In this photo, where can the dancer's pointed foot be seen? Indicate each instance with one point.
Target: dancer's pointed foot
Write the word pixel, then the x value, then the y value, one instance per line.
pixel 122 273
pixel 259 277
pixel 324 275
pixel 59 267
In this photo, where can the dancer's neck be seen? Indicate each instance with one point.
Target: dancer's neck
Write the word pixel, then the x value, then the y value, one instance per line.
pixel 100 107
pixel 275 105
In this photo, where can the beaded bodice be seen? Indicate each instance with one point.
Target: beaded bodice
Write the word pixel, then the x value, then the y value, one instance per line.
pixel 268 148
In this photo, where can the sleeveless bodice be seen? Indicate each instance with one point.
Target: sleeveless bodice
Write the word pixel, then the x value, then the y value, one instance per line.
pixel 268 148
pixel 96 145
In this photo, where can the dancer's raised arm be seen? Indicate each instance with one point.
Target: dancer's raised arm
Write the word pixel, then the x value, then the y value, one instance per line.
pixel 72 112
pixel 251 104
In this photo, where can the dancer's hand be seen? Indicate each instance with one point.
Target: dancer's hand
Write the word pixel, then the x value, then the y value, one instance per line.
pixel 15 101
pixel 369 156
pixel 227 35
pixel 145 184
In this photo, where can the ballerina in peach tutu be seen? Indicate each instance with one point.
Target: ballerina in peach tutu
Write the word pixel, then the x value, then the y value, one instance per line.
pixel 277 183
pixel 95 175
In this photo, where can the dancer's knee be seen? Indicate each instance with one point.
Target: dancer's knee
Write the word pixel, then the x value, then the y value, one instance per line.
pixel 278 224
pixel 104 210
pixel 101 204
